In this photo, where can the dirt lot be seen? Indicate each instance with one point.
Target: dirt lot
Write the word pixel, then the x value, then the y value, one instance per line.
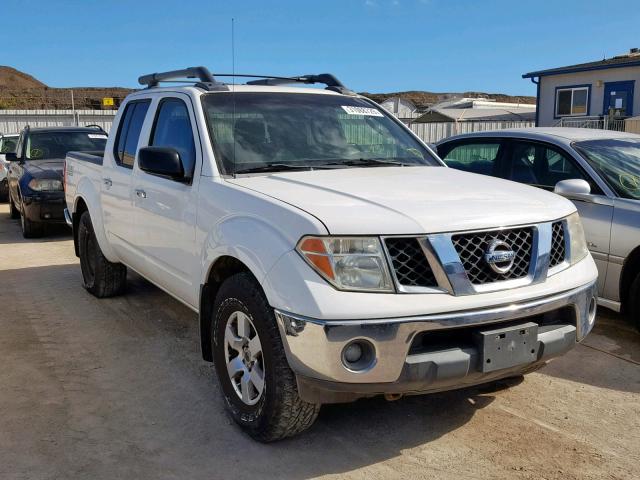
pixel 117 389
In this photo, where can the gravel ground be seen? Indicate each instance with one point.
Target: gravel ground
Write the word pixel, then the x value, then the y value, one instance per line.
pixel 116 388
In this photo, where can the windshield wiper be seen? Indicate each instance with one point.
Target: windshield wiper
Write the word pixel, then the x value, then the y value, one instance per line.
pixel 274 167
pixel 367 162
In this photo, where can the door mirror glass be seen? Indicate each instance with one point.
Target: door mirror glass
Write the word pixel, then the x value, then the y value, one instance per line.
pixel 11 157
pixel 574 186
pixel 162 161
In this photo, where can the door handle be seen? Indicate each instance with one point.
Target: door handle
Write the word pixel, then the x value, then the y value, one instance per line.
pixel 107 182
pixel 141 193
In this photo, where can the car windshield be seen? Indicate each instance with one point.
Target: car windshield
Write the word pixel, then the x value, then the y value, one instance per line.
pixel 43 145
pixel 8 144
pixel 284 131
pixel 618 161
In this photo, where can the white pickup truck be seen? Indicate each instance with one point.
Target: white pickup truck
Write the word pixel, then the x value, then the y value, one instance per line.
pixel 328 251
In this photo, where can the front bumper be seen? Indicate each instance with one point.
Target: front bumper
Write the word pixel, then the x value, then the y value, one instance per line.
pixel 405 360
pixel 44 207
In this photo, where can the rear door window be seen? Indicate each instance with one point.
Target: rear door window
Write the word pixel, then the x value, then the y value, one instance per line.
pixel 129 132
pixel 476 157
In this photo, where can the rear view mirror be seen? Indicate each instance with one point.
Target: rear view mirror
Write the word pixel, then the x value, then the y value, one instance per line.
pixel 574 186
pixel 162 161
pixel 11 157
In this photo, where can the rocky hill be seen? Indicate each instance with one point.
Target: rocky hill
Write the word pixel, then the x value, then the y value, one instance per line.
pixel 19 90
pixel 424 99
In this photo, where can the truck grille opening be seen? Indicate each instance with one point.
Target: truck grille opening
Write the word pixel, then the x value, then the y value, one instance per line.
pixel 471 248
pixel 409 263
pixel 557 255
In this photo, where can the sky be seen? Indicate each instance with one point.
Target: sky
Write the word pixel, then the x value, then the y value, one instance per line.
pixel 370 45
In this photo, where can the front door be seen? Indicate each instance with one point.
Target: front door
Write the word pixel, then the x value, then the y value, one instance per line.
pixel 165 209
pixel 618 98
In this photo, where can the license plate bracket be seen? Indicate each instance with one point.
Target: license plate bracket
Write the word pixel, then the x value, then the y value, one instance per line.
pixel 507 347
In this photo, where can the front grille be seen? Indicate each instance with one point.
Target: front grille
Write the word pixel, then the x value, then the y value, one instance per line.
pixel 557 255
pixel 471 248
pixel 409 263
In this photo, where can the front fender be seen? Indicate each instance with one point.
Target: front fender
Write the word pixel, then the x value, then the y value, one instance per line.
pixel 251 240
pixel 87 192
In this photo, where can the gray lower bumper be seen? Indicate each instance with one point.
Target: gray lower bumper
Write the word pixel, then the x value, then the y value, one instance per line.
pixel 315 348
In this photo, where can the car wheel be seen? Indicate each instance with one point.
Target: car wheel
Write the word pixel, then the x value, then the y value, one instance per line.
pixel 14 212
pixel 633 309
pixel 259 387
pixel 100 277
pixel 30 229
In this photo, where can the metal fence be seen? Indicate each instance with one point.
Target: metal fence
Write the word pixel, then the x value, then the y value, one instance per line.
pixel 433 132
pixel 12 121
pixel 630 125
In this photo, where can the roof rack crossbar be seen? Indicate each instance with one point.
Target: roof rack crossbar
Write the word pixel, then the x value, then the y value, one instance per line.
pixel 328 79
pixel 206 80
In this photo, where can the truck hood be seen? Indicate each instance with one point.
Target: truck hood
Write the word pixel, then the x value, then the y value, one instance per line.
pixel 409 200
pixel 45 168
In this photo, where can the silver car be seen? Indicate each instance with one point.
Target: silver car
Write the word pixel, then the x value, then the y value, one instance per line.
pixel 598 170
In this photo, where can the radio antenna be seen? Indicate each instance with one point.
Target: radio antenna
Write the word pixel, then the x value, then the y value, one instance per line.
pixel 233 92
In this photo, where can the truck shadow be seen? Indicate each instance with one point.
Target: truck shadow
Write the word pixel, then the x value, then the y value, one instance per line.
pixel 10 231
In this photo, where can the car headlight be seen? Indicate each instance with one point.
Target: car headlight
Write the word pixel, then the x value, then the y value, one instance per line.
pixel 45 185
pixel 348 263
pixel 578 243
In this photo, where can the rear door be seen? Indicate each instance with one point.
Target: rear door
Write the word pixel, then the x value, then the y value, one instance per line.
pixel 117 181
pixel 166 208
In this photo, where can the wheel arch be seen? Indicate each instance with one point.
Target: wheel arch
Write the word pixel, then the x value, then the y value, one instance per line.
pixel 630 269
pixel 224 267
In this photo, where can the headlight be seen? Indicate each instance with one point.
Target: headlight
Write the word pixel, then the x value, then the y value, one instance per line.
pixel 45 185
pixel 578 244
pixel 348 263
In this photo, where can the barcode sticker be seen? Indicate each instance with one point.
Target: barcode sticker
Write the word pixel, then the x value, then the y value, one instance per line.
pixel 371 112
pixel 93 135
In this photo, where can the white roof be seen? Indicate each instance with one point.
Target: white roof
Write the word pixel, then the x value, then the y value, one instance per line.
pixel 573 133
pixel 240 89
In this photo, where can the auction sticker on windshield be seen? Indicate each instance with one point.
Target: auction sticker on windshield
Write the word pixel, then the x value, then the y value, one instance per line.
pixel 93 135
pixel 371 112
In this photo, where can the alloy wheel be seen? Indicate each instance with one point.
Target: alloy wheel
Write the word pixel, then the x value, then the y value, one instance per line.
pixel 244 359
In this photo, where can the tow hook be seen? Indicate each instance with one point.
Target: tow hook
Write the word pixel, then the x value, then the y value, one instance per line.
pixel 392 397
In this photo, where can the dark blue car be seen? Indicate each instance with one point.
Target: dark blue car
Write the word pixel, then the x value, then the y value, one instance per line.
pixel 36 189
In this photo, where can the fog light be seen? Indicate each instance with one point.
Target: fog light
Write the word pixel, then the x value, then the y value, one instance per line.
pixel 353 352
pixel 592 310
pixel 47 215
pixel 359 356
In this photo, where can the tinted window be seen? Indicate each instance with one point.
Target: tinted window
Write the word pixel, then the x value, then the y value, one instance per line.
pixel 56 144
pixel 129 133
pixel 474 157
pixel 173 129
pixel 540 165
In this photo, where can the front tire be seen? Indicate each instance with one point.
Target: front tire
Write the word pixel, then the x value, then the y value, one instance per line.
pixel 259 387
pixel 14 212
pixel 30 229
pixel 633 309
pixel 101 277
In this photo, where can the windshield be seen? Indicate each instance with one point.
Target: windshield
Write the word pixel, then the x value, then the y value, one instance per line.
pixel 281 131
pixel 8 144
pixel 618 161
pixel 43 145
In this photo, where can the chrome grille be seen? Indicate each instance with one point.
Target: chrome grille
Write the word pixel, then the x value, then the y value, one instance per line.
pixel 409 263
pixel 557 255
pixel 471 248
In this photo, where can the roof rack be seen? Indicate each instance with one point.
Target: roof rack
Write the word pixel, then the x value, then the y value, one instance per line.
pixel 207 81
pixel 328 79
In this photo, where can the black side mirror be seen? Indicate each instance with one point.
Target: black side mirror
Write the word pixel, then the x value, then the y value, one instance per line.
pixel 163 161
pixel 11 157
